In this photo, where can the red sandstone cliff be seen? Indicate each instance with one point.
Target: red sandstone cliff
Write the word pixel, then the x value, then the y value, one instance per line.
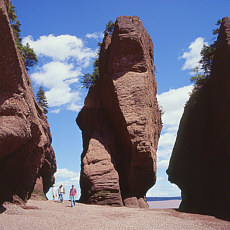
pixel 200 162
pixel 121 121
pixel 26 154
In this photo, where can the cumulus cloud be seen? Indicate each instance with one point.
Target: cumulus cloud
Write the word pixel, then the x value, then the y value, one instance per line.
pixel 167 139
pixel 61 48
pixel 172 103
pixel 163 164
pixel 163 188
pixel 55 111
pixel 164 152
pixel 53 74
pixel 192 57
pixel 57 77
pixel 66 173
pixel 63 59
pixel 95 35
pixel 66 177
pixel 74 107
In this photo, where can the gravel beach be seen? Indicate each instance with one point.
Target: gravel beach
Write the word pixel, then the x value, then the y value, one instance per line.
pixel 55 215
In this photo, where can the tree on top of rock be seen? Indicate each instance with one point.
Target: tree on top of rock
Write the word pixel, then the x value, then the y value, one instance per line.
pixel 90 79
pixel 42 100
pixel 27 53
pixel 110 27
pixel 207 56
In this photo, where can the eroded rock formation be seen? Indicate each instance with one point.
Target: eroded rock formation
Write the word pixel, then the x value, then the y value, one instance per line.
pixel 121 121
pixel 26 153
pixel 200 162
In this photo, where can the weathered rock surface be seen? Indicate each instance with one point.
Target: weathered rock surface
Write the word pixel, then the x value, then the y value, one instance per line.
pixel 200 162
pixel 25 140
pixel 121 121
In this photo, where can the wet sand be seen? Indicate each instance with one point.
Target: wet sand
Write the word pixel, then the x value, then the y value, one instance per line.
pixel 55 215
pixel 164 204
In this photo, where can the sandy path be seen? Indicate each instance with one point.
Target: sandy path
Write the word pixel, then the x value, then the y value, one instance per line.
pixel 54 215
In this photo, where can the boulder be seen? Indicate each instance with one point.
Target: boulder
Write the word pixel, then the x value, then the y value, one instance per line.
pixel 25 139
pixel 121 120
pixel 200 161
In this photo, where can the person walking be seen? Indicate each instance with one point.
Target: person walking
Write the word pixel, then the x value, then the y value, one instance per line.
pixel 72 195
pixel 61 192
pixel 54 192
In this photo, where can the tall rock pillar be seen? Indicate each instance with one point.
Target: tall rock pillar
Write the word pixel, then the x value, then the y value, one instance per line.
pixel 121 121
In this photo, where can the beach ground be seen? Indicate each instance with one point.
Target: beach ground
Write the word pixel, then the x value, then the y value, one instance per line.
pixel 55 215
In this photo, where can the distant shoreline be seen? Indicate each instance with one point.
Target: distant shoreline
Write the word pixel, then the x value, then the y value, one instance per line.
pixel 164 198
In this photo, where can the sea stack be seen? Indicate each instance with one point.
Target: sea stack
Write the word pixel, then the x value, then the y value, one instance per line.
pixel 26 154
pixel 121 120
pixel 200 161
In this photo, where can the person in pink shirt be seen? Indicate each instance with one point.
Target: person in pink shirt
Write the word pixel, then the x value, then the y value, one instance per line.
pixel 72 195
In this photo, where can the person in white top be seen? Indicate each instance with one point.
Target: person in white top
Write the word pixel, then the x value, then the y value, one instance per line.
pixel 54 192
pixel 61 192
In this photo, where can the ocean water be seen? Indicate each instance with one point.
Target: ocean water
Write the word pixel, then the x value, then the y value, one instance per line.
pixel 163 198
pixel 167 202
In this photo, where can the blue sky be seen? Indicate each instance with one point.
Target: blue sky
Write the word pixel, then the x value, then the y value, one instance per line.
pixel 64 34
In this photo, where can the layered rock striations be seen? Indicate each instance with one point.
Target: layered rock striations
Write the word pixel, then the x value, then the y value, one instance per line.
pixel 26 154
pixel 200 162
pixel 121 121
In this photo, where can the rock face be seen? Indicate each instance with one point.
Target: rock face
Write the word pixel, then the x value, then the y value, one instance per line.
pixel 200 162
pixel 121 121
pixel 26 154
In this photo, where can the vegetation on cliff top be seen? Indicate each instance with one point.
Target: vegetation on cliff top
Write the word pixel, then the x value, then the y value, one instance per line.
pixel 90 79
pixel 205 64
pixel 28 55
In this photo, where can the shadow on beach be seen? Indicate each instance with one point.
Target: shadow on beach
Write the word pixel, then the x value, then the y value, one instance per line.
pixel 2 209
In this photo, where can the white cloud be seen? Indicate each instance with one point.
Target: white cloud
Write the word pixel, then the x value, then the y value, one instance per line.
pixel 192 57
pixel 74 107
pixel 63 58
pixel 167 139
pixel 160 178
pixel 163 164
pixel 163 188
pixel 66 173
pixel 95 35
pixel 172 103
pixel 61 96
pixel 55 111
pixel 54 74
pixel 57 77
pixel 164 151
pixel 61 48
pixel 67 177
